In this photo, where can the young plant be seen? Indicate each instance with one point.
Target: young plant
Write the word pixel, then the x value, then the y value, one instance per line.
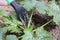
pixel 29 34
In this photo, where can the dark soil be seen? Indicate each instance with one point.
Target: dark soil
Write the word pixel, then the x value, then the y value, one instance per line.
pixel 40 19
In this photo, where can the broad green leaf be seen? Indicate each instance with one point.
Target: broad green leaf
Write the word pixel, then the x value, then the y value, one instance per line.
pixel 56 19
pixel 11 37
pixel 3 30
pixel 28 4
pixel 28 35
pixel 54 11
pixel 41 7
pixel 53 8
pixel 2 33
pixel 42 34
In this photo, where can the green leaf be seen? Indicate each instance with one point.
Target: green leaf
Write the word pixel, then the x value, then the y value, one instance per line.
pixel 13 16
pixel 2 33
pixel 3 30
pixel 11 37
pixel 54 11
pixel 28 4
pixel 13 29
pixel 28 35
pixel 12 23
pixel 53 8
pixel 42 34
pixel 56 19
pixel 41 7
pixel 7 20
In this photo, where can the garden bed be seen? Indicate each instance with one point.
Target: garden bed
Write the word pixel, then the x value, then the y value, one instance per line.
pixel 38 20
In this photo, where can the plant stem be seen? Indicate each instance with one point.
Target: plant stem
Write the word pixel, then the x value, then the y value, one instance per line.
pixel 45 24
pixel 30 20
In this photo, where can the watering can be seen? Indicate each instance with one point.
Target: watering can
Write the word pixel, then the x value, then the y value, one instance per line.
pixel 20 12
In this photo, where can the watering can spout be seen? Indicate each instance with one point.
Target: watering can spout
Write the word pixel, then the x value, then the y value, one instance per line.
pixel 20 12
